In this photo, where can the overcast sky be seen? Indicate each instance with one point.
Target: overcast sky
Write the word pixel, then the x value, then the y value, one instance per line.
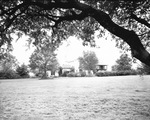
pixel 70 50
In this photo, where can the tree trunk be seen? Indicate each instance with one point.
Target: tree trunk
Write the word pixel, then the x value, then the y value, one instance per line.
pixel 45 75
pixel 45 72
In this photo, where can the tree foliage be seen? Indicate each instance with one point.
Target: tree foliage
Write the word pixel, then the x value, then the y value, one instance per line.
pixel 8 65
pixel 8 62
pixel 43 59
pixel 22 71
pixel 128 21
pixel 88 61
pixel 143 69
pixel 146 69
pixel 124 63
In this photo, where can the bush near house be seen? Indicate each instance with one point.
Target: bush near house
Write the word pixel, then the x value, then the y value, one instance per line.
pixel 73 74
pixel 10 74
pixel 83 74
pixel 117 73
pixel 22 71
pixel 65 74
pixel 78 74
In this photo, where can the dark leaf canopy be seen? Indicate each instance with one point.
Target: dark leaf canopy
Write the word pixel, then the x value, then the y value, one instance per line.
pixel 29 15
pixel 129 20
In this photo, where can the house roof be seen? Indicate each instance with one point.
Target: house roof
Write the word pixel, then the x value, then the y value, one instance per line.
pixel 102 65
pixel 67 66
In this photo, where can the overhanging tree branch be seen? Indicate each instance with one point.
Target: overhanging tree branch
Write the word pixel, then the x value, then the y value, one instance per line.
pixel 11 11
pixel 9 20
pixel 51 5
pixel 140 20
pixel 74 16
pixel 130 37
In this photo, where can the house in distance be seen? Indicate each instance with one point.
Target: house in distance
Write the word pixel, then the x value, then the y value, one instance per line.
pixel 101 68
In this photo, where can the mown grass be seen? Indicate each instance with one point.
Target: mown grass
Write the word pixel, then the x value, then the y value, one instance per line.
pixel 94 98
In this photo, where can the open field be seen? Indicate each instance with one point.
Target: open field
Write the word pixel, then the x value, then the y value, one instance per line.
pixel 93 98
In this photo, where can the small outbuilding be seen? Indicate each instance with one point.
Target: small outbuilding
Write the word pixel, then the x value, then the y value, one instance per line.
pixel 101 68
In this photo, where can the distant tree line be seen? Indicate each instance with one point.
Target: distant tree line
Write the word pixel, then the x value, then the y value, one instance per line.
pixel 44 59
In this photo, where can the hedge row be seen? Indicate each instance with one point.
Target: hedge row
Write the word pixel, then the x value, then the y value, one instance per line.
pixel 78 74
pixel 116 73
pixel 10 74
pixel 99 74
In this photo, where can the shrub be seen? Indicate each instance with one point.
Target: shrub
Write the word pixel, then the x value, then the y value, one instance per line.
pixel 22 71
pixel 65 74
pixel 73 74
pixel 82 74
pixel 117 73
pixel 79 74
pixel 10 74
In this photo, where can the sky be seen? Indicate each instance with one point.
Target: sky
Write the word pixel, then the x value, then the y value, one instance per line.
pixel 20 49
pixel 70 50
pixel 107 53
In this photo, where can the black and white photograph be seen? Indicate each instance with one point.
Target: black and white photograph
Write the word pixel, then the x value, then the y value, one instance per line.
pixel 74 59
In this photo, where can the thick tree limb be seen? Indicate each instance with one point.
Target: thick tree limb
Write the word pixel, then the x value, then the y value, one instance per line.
pixel 11 11
pixel 9 20
pixel 130 37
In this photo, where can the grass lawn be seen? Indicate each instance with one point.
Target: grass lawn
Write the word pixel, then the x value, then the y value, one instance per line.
pixel 93 98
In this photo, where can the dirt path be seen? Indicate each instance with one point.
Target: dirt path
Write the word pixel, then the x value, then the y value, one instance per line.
pixel 95 98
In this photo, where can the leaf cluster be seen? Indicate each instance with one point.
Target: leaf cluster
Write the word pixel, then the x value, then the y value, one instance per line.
pixel 65 18
pixel 43 58
pixel 8 62
pixel 88 61
pixel 124 63
pixel 22 71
